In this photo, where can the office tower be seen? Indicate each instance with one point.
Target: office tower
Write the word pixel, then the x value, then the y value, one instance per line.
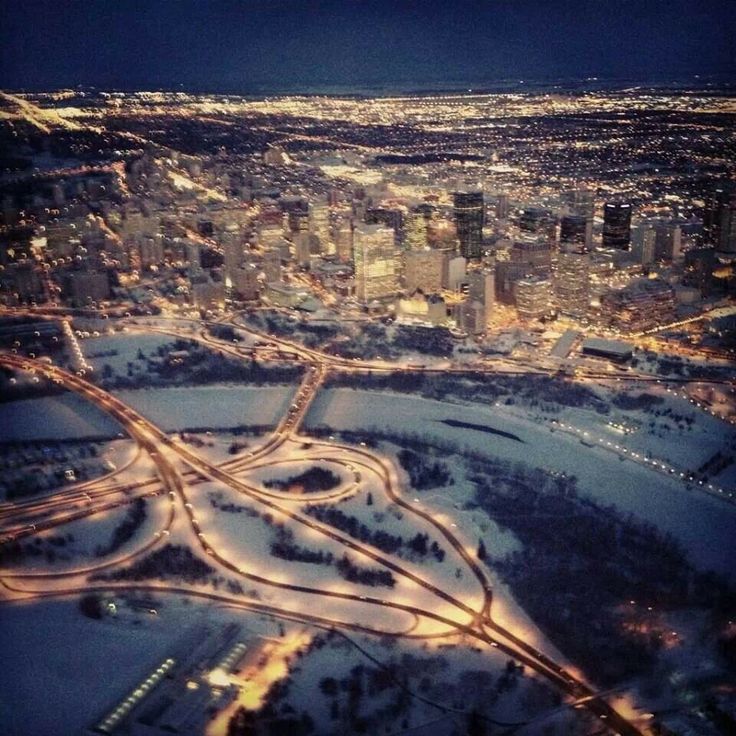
pixel 468 213
pixel 423 270
pixel 534 254
pixel 453 272
pixel 580 202
pixel 616 225
pixel 575 233
pixel 643 305
pixel 538 223
pixel 643 240
pixel 719 219
pixel 374 255
pixel 572 284
pixel 502 206
pixel 415 231
pixel 482 289
pixel 668 241
pixel 698 271
pixel 533 297
pixel 470 317
pixel 387 216
pixel 319 225
pixel 344 242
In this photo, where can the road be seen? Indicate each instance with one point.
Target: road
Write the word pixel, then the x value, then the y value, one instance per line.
pixel 167 454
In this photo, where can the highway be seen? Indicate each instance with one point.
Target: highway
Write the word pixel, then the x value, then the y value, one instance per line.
pixel 477 624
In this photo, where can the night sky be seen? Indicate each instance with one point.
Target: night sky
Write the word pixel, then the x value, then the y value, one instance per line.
pixel 256 45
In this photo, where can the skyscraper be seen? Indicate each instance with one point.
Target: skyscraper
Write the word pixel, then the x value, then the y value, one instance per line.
pixel 572 284
pixel 374 255
pixel 537 222
pixel 575 232
pixel 617 225
pixel 468 213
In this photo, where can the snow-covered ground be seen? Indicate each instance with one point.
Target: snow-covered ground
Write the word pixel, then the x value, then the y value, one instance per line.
pixel 124 345
pixel 703 524
pixel 63 417
pixel 50 685
pixel 216 406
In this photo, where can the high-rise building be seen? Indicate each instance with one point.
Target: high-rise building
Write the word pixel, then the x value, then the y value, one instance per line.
pixel 344 242
pixel 389 217
pixel 502 206
pixel 668 241
pixel 468 211
pixel 272 265
pixel 453 272
pixel 470 316
pixel 575 233
pixel 533 297
pixel 302 248
pixel 319 224
pixel 423 270
pixel 616 225
pixel 698 271
pixel 482 289
pixel 374 255
pixel 538 223
pixel 534 254
pixel 640 306
pixel 719 220
pixel 643 242
pixel 572 284
pixel 415 231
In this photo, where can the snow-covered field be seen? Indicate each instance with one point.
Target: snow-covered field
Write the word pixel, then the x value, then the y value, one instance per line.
pixel 63 417
pixel 703 524
pixel 216 406
pixel 126 347
pixel 49 684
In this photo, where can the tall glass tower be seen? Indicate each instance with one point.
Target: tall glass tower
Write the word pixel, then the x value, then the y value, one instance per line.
pixel 469 223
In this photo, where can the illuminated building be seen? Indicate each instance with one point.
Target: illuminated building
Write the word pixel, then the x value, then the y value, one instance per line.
pixel 502 206
pixel 482 289
pixel 374 256
pixel 471 317
pixel 572 284
pixel 616 225
pixel 538 223
pixel 415 231
pixel 668 241
pixel 719 220
pixel 453 273
pixel 644 304
pixel 468 212
pixel 423 270
pixel 575 233
pixel 344 242
pixel 319 225
pixel 643 243
pixel 533 297
pixel 699 266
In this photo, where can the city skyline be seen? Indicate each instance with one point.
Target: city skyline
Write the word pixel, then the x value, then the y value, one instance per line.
pixel 367 368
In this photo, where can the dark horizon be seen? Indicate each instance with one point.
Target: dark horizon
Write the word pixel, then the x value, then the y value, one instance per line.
pixel 252 46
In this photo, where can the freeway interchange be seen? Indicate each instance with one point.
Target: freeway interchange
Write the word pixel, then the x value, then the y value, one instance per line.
pixel 179 470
